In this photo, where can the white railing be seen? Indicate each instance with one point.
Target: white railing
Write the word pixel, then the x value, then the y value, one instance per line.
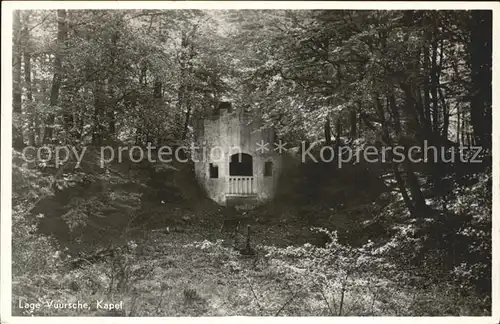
pixel 241 186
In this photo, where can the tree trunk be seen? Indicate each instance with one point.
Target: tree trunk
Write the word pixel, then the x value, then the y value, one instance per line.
pixel 110 112
pixel 418 201
pixel 181 97
pixel 427 100
pixel 99 105
pixel 39 96
pixel 434 74
pixel 62 31
pixel 27 80
pixel 17 131
pixel 402 188
pixel 480 49
pixel 414 185
pixel 395 168
pixel 338 130
pixel 328 132
pixel 186 123
pixel 446 116
pixel 189 109
pixel 111 122
pixel 463 131
pixel 182 93
pixel 354 124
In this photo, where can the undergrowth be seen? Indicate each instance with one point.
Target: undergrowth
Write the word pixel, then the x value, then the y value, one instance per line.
pixel 131 241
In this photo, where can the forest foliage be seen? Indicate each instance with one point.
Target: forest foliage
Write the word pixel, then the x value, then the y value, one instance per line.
pixel 340 78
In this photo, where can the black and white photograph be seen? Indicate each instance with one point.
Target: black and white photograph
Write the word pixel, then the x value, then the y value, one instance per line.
pixel 196 161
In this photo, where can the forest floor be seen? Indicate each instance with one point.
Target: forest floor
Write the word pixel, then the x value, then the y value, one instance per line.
pixel 181 264
pixel 186 273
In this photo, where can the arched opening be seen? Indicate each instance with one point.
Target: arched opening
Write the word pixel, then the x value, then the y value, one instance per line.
pixel 241 164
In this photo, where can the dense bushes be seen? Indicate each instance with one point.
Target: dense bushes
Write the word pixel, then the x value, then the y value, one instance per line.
pixel 383 263
pixel 335 280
